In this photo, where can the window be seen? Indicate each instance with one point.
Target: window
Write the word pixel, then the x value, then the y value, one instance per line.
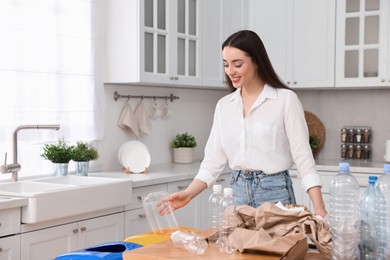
pixel 51 56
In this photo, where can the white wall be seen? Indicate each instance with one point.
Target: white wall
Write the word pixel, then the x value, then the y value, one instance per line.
pixel 192 112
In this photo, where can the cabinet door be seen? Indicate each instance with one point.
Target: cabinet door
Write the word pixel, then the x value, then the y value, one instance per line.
pixel 301 196
pixel 48 243
pixel 299 38
pixel 101 230
pixel 10 248
pixel 270 20
pixel 212 65
pixel 136 222
pixel 185 58
pixel 185 216
pixel 313 39
pixel 221 18
pixel 362 43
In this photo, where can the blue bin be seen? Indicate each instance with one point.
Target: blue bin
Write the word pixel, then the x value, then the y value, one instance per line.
pixel 107 251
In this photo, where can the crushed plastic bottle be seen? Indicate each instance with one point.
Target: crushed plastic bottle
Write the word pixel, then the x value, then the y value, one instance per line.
pixel 189 241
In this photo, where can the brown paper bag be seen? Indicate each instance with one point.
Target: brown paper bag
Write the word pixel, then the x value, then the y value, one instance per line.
pixel 269 229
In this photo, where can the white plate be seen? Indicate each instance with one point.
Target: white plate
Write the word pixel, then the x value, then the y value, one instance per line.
pixel 135 156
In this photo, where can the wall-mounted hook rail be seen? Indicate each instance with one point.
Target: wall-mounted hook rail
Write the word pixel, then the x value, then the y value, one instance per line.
pixel 170 97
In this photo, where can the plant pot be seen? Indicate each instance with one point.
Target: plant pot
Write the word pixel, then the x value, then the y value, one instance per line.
pixel 61 169
pixel 82 168
pixel 183 155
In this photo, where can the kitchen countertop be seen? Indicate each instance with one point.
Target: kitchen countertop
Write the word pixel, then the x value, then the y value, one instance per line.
pixel 166 250
pixel 176 172
pixel 7 202
pixel 169 172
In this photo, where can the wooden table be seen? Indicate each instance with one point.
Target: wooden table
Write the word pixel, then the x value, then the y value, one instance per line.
pixel 166 250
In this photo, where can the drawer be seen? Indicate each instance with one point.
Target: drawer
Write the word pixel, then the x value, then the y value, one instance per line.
pixel 9 221
pixel 140 192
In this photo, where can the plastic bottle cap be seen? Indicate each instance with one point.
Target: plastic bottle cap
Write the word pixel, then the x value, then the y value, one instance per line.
pixel 228 191
pixel 343 166
pixel 386 167
pixel 372 179
pixel 217 188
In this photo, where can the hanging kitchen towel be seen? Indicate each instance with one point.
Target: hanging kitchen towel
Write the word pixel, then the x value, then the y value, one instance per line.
pixel 127 120
pixel 142 119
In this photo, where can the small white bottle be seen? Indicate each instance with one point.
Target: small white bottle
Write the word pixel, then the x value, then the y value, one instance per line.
pixel 228 220
pixel 189 241
pixel 213 207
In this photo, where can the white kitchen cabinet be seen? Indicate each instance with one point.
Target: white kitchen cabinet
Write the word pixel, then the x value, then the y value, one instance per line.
pixel 362 43
pixel 10 248
pixel 221 18
pixel 299 37
pixel 153 42
pixel 50 242
pixel 135 217
pixel 301 195
pixel 10 221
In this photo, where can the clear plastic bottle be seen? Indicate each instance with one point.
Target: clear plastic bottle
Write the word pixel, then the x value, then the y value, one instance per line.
pixel 213 205
pixel 189 241
pixel 344 214
pixel 228 221
pixel 368 235
pixel 383 220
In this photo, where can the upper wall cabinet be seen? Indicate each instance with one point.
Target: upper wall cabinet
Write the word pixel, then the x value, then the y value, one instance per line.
pixel 362 53
pixel 300 39
pixel 153 42
pixel 221 18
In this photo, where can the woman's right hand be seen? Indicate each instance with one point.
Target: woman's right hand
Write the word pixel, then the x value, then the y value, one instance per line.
pixel 173 201
pixel 181 198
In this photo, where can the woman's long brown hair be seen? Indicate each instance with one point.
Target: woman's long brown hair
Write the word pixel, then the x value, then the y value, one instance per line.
pixel 250 43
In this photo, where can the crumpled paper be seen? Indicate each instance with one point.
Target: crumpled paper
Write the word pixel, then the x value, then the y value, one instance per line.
pixel 270 229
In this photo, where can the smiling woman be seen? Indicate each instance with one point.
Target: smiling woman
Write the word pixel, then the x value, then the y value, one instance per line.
pixel 49 69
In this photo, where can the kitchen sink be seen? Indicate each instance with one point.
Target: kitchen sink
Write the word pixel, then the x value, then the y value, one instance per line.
pixel 27 188
pixel 57 197
pixel 74 180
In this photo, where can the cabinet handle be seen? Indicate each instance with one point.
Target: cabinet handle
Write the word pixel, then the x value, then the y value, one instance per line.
pixel 142 216
pixel 288 82
pixel 173 78
pixel 383 80
pixel 139 197
pixel 75 231
pixel 83 229
pixel 220 180
pixel 295 83
pixel 182 187
pixel 1 249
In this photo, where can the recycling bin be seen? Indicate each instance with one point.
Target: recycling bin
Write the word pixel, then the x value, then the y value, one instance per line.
pixel 106 251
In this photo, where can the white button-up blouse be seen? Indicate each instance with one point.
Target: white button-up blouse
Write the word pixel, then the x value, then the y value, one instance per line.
pixel 271 137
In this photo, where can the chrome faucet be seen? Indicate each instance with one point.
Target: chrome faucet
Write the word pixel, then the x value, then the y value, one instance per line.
pixel 15 167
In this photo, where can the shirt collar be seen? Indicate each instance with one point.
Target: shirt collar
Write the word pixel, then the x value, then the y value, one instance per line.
pixel 268 92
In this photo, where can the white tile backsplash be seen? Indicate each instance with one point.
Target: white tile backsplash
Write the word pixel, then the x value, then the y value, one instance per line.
pixel 193 112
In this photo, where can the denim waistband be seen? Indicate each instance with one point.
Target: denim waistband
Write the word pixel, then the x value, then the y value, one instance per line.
pixel 251 174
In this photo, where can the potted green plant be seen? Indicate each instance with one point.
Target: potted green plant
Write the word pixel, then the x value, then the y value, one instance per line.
pixel 59 154
pixel 82 153
pixel 183 148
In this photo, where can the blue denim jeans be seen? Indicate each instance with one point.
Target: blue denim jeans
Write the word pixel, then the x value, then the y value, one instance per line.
pixel 253 188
